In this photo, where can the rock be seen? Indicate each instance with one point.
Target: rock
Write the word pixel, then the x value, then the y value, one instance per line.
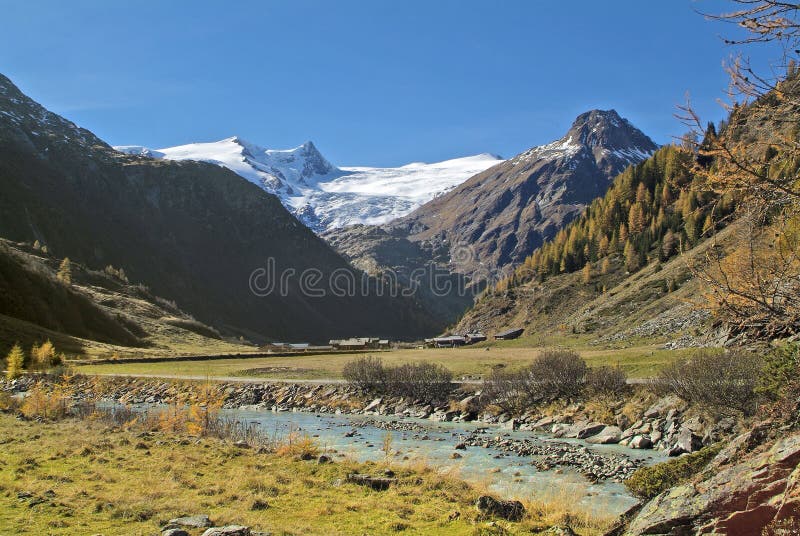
pixel 323 459
pixel 741 493
pixel 564 530
pixel 373 482
pixel 607 436
pixel 228 530
pixel 174 532
pixel 640 442
pixel 455 456
pixel 461 446
pixel 511 424
pixel 197 521
pixel 242 444
pixel 589 430
pixel 623 421
pixel 510 510
pixel 373 405
pixel 687 441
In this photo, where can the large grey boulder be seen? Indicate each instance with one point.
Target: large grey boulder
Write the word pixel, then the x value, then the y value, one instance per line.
pixel 607 436
pixel 640 442
pixel 590 429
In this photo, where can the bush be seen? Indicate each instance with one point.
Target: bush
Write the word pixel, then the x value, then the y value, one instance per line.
pixel 647 482
pixel 507 390
pixel 725 382
pixel 366 373
pixel 420 381
pixel 557 374
pixel 554 374
pixel 606 381
pixel 779 370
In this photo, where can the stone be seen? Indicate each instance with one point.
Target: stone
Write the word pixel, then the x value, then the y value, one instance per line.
pixel 461 446
pixel 589 430
pixel 511 424
pixel 623 421
pixel 197 521
pixel 455 456
pixel 640 442
pixel 564 530
pixel 509 510
pixel 687 442
pixel 373 405
pixel 228 530
pixel 323 458
pixel 607 436
pixel 174 532
pixel 742 492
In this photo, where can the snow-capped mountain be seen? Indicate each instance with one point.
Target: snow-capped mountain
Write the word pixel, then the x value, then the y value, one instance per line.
pixel 322 195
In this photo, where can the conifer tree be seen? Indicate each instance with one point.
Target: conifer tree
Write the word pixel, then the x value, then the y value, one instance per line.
pixel 587 273
pixel 631 257
pixel 65 271
pixel 15 361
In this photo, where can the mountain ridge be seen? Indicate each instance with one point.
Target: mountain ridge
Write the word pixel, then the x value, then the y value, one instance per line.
pixel 324 196
pixel 495 219
pixel 191 231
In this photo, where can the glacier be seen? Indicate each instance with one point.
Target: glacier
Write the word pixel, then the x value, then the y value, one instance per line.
pixel 324 196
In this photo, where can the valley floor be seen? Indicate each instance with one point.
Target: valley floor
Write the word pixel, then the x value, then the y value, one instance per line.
pixel 85 477
pixel 641 361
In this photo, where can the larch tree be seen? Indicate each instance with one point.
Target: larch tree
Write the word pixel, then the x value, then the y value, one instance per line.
pixel 15 362
pixel 65 271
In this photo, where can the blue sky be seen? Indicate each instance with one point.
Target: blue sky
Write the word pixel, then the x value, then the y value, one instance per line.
pixel 370 82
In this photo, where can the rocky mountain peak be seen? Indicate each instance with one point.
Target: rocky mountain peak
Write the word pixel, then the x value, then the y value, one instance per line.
pixel 607 131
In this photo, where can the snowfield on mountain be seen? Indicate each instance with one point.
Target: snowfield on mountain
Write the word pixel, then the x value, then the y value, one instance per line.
pixel 322 195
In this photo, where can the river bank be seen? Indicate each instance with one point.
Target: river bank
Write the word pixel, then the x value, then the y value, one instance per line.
pixel 640 421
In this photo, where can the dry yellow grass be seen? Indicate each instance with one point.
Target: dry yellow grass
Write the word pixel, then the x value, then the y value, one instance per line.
pixel 77 477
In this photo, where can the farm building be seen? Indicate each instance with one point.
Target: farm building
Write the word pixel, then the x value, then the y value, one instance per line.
pixel 360 343
pixel 509 334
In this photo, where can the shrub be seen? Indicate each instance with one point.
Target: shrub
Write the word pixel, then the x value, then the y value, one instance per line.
pixel 420 381
pixel 366 373
pixel 303 447
pixel 506 390
pixel 725 382
pixel 558 374
pixel 779 370
pixel 606 381
pixel 647 482
pixel 553 375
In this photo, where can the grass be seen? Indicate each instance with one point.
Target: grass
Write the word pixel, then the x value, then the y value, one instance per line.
pixel 83 477
pixel 640 361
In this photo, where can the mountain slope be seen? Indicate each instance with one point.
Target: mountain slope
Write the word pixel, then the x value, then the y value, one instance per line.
pixel 99 314
pixel 191 231
pixel 492 221
pixel 320 194
pixel 504 213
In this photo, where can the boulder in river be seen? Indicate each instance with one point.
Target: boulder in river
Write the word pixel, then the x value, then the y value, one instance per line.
pixel 607 436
